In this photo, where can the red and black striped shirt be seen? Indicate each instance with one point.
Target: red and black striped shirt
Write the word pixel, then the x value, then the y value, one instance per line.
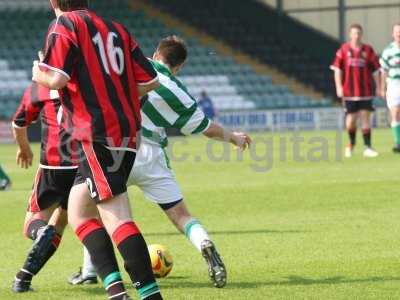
pixel 358 67
pixel 57 145
pixel 105 65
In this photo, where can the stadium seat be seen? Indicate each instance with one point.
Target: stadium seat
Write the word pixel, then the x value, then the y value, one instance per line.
pixel 231 85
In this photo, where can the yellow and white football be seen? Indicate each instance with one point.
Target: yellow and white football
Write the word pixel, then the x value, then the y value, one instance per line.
pixel 161 260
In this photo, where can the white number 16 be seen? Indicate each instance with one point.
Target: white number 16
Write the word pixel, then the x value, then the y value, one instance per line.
pixel 115 54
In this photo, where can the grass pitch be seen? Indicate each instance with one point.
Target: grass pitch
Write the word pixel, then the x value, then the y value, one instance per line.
pixel 321 228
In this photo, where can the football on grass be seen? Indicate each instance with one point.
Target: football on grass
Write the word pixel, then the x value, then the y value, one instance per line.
pixel 161 260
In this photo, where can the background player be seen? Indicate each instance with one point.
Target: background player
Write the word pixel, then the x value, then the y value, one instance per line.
pixel 99 71
pixel 53 181
pixel 390 83
pixel 5 181
pixel 356 68
pixel 171 106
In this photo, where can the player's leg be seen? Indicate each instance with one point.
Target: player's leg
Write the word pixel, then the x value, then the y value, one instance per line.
pixel 153 175
pixel 45 222
pixel 116 216
pixel 83 218
pixel 107 186
pixel 194 231
pixel 365 116
pixel 351 126
pixel 35 221
pixel 46 240
pixel 395 124
pixel 42 203
pixel 5 181
pixel 393 103
pixel 88 270
pixel 87 273
pixel 179 215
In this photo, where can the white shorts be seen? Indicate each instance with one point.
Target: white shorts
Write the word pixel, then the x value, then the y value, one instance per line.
pixel 393 94
pixel 152 174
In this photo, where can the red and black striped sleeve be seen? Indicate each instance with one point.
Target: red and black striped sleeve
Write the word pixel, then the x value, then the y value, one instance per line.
pixel 142 68
pixel 29 109
pixel 338 62
pixel 61 47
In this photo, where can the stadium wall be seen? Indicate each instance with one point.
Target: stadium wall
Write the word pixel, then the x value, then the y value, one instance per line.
pixel 294 119
pixel 257 120
pixel 377 17
pixel 33 4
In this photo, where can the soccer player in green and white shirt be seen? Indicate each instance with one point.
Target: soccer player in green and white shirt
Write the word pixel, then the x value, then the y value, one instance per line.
pixel 171 106
pixel 390 85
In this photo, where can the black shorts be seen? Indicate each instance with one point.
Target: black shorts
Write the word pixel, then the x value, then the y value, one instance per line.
pixel 51 186
pixel 105 171
pixel 355 106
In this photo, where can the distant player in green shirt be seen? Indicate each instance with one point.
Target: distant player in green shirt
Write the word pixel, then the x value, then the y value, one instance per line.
pixel 5 181
pixel 171 106
pixel 390 85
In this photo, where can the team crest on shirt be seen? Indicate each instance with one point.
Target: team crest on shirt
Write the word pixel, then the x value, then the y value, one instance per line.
pixel 349 54
pixel 357 62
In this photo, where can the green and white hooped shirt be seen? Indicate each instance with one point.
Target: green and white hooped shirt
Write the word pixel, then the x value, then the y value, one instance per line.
pixel 390 62
pixel 170 106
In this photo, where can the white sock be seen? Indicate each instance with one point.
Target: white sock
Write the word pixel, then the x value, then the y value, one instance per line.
pixel 196 233
pixel 88 268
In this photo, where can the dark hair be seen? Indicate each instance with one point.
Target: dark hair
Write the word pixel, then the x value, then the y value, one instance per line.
pixel 68 5
pixel 173 50
pixel 356 26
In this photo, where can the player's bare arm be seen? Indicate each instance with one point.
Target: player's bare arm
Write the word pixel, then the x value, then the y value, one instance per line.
pixel 144 89
pixel 339 83
pixel 239 139
pixel 50 79
pixel 24 153
pixel 383 87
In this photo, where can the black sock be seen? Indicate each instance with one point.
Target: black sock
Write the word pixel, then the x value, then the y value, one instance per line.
pixel 133 249
pixel 27 273
pixel 24 275
pixel 33 227
pixel 367 137
pixel 101 250
pixel 352 136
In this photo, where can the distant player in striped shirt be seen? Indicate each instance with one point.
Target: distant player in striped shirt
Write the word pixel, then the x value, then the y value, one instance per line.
pixel 171 106
pixel 356 68
pixel 390 83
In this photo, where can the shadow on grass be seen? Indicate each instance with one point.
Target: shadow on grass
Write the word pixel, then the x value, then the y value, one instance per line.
pixel 299 280
pixel 255 231
pixel 289 281
pixel 171 282
pixel 175 277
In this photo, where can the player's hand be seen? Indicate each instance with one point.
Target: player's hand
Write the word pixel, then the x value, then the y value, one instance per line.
pixel 241 140
pixel 35 71
pixel 24 157
pixel 41 56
